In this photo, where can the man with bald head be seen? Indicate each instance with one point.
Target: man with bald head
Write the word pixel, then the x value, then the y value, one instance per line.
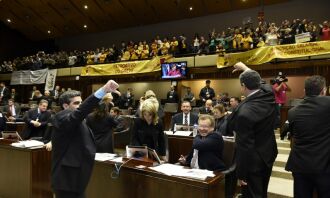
pixel 207 108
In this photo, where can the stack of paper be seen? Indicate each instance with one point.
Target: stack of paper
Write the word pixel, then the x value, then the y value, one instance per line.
pixel 28 144
pixel 176 170
pixel 104 156
pixel 183 133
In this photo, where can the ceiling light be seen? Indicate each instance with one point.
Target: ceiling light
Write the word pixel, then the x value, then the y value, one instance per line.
pixel 8 20
pixel 86 7
pixel 85 26
pixel 49 32
pixel 244 0
pixel 190 8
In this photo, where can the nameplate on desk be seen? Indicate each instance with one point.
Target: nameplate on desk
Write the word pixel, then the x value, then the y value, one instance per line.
pixel 168 132
pixel 183 133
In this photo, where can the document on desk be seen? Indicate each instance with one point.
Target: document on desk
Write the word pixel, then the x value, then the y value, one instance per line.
pixel 183 133
pixel 104 156
pixel 177 170
pixel 168 132
pixel 30 144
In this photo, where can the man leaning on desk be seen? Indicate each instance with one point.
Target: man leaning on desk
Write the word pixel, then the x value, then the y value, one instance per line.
pixel 207 147
pixel 36 121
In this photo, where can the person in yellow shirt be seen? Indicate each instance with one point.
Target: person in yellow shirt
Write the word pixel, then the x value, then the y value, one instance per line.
pixel 145 50
pixel 154 49
pixel 246 41
pixel 135 53
pixel 174 45
pixel 165 47
pixel 103 55
pixel 90 58
pixel 237 40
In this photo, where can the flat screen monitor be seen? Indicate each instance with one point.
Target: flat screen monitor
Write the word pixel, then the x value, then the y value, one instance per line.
pixel 174 70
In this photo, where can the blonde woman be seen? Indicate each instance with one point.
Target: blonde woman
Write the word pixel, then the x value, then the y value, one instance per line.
pixel 148 130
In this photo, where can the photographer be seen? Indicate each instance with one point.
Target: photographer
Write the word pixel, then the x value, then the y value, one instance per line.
pixel 280 87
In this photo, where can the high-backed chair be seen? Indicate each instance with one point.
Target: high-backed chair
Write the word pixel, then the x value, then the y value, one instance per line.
pixel 229 151
pixel 122 138
pixel 171 107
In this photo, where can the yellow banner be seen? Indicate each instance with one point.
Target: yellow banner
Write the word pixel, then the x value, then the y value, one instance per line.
pixel 265 54
pixel 131 67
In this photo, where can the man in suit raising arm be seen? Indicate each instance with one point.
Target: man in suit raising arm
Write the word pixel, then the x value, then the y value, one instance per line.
pixel 253 121
pixel 309 159
pixel 73 143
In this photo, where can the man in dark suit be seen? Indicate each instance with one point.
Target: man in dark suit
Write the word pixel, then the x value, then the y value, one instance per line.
pixel 73 143
pixel 253 121
pixel 13 110
pixel 309 159
pixel 172 95
pixel 186 117
pixel 36 121
pixel 207 92
pixel 4 93
pixel 207 108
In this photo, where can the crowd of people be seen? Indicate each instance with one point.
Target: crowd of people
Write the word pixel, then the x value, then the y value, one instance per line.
pixel 233 39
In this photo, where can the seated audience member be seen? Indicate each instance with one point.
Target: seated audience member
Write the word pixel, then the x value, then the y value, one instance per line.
pixel 36 121
pixel 207 147
pixel 4 93
pixel 48 97
pixel 150 95
pixel 172 95
pixel 12 110
pixel 107 99
pixel 14 95
pixel 34 88
pixel 207 108
pixel 219 113
pixel 56 93
pixel 217 100
pixel 206 92
pixel 186 117
pixel 127 98
pixel 148 129
pixel 233 103
pixel 2 122
pixel 101 124
pixel 189 96
pixel 115 114
pixel 37 96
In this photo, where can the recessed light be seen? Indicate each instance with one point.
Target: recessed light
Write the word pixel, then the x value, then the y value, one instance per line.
pixel 244 0
pixel 85 26
pixel 49 32
pixel 190 8
pixel 8 20
pixel 86 7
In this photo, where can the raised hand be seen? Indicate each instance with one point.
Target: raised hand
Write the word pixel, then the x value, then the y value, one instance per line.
pixel 111 86
pixel 240 67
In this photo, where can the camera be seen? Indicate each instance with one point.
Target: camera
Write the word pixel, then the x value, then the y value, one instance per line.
pixel 280 78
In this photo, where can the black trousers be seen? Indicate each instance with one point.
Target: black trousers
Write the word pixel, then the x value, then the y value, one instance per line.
pixel 257 184
pixel 304 184
pixel 68 194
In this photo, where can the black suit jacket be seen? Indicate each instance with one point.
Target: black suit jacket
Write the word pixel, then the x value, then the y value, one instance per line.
pixel 172 97
pixel 73 148
pixel 31 130
pixel 6 95
pixel 202 110
pixel 310 128
pixel 210 151
pixel 253 121
pixel 6 109
pixel 178 119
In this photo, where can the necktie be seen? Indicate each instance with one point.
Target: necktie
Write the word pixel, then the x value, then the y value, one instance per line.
pixel 185 119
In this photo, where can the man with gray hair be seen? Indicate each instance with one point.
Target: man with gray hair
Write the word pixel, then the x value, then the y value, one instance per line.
pixel 309 159
pixel 253 121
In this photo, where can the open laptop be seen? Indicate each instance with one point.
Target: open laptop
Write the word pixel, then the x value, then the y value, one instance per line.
pixel 11 135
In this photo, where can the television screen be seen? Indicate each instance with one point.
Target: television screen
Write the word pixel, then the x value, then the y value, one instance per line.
pixel 174 70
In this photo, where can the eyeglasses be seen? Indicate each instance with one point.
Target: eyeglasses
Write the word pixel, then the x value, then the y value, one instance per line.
pixel 76 102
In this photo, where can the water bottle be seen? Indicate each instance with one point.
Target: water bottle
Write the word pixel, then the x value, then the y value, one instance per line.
pixel 195 130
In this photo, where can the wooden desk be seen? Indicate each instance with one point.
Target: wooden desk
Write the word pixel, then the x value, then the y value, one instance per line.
pixel 25 173
pixel 178 145
pixel 145 183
